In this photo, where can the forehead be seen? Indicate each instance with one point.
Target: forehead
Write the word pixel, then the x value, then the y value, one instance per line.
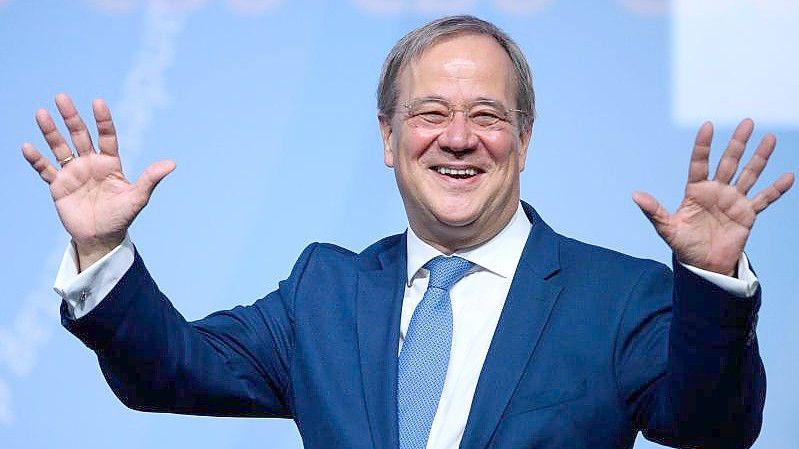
pixel 461 68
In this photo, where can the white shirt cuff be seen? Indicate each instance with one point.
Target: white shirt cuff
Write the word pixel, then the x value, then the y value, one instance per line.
pixel 83 291
pixel 744 286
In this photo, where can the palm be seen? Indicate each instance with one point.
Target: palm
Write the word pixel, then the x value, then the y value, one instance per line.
pixel 93 198
pixel 712 224
pixel 95 202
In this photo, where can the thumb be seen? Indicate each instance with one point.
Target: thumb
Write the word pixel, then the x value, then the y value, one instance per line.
pixel 152 175
pixel 653 210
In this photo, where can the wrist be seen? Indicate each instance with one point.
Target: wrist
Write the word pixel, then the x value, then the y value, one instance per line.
pixel 729 271
pixel 89 253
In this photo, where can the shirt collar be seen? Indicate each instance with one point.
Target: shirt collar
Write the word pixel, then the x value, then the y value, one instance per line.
pixel 499 255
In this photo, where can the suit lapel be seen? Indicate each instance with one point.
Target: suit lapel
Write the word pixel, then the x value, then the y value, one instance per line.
pixel 527 308
pixel 379 305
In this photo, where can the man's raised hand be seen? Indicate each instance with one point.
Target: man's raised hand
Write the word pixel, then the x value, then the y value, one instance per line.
pixel 710 228
pixel 95 203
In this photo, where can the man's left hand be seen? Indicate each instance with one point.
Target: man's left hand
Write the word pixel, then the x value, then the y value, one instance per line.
pixel 710 228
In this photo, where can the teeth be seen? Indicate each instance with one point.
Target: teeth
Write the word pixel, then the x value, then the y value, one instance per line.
pixel 454 171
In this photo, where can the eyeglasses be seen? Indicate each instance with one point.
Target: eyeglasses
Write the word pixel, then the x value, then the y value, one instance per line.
pixel 434 113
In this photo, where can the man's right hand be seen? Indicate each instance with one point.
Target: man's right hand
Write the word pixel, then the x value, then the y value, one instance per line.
pixel 95 203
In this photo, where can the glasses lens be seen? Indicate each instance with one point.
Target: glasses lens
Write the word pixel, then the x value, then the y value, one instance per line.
pixel 486 114
pixel 429 112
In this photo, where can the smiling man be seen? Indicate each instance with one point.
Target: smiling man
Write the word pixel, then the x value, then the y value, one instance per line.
pixel 478 327
pixel 457 146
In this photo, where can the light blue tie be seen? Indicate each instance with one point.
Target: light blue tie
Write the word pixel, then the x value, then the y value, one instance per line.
pixel 425 353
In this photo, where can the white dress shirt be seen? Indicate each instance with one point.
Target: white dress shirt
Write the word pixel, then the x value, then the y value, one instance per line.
pixel 477 302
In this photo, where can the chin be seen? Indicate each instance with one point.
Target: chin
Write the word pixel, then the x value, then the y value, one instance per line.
pixel 458 215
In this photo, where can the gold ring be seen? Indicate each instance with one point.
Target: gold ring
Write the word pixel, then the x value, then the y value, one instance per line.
pixel 66 160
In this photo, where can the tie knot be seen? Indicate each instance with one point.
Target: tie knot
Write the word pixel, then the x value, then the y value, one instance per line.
pixel 446 271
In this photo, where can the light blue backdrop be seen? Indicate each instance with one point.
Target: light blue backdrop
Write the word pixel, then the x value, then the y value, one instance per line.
pixel 269 105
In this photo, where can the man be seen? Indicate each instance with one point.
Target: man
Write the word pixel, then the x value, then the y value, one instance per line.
pixel 479 327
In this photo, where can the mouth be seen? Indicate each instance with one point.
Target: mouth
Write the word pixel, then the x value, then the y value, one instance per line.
pixel 457 172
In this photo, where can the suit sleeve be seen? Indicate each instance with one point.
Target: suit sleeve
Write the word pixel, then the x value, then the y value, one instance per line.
pixel 687 361
pixel 231 363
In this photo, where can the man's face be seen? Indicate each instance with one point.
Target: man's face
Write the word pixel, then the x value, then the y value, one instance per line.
pixel 453 211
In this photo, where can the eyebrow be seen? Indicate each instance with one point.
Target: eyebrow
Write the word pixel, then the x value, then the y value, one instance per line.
pixel 488 100
pixel 444 100
pixel 432 98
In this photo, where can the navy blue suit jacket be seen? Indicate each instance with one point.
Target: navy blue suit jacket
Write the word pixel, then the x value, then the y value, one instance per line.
pixel 591 347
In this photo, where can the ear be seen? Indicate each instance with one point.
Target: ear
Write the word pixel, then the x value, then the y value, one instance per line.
pixel 386 131
pixel 524 142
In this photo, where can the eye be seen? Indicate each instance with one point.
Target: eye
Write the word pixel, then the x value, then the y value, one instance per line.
pixel 429 113
pixel 484 116
pixel 433 116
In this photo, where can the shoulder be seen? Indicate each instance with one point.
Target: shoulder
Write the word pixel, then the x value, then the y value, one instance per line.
pixel 323 268
pixel 577 253
pixel 598 269
pixel 578 258
pixel 328 256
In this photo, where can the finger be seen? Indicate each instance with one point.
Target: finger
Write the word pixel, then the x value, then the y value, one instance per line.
pixel 39 163
pixel 698 168
pixel 107 139
pixel 152 175
pixel 773 192
pixel 77 129
pixel 751 172
pixel 51 134
pixel 728 164
pixel 653 210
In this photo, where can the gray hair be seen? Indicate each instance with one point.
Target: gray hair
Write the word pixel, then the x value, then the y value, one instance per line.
pixel 413 44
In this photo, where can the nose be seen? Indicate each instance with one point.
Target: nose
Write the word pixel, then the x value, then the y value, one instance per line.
pixel 458 136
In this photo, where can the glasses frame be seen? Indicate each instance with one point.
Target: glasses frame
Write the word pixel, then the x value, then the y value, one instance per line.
pixel 466 108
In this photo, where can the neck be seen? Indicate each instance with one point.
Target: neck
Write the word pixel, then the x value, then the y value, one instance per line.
pixel 450 239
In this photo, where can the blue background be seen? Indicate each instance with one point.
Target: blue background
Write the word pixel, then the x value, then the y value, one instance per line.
pixel 269 105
